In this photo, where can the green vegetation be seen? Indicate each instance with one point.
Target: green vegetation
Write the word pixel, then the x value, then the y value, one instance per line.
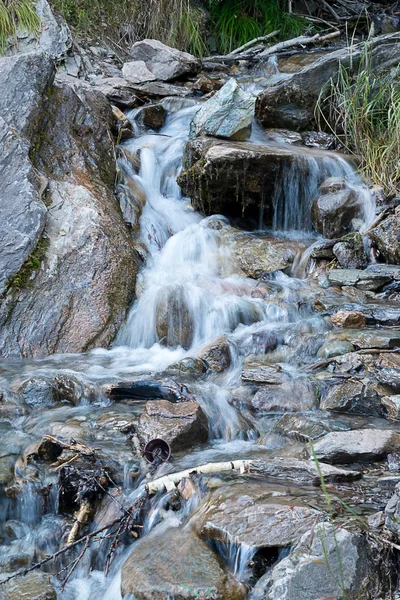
pixel 192 25
pixel 235 22
pixel 362 109
pixel 32 263
pixel 14 15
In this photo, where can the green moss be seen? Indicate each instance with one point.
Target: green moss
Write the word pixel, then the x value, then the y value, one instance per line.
pixel 32 263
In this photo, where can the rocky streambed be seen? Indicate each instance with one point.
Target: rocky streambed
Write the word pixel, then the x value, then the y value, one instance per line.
pixel 173 271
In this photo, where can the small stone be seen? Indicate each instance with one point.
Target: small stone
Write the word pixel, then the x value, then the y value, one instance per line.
pixel 349 319
pixel 136 71
pixel 352 397
pixel 335 347
pixel 392 406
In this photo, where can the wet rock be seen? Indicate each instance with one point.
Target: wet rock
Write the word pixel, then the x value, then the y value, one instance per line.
pixel 386 237
pixel 244 514
pixel 358 445
pixel 352 397
pixel 333 211
pixel 217 355
pixel 368 338
pixel 328 562
pixel 388 370
pixel 301 427
pixel 153 116
pixel 137 72
pixel 250 176
pixel 79 296
pixel 164 62
pixel 350 252
pixel 54 39
pixel 256 255
pixel 319 139
pixel 228 114
pixel 181 425
pixel 149 389
pixel 122 127
pixel 255 370
pixel 372 278
pixel 183 567
pixel 37 392
pixel 349 319
pixel 289 396
pixel 189 366
pixel 174 323
pixel 334 347
pixel 302 472
pixel 118 91
pixel 69 389
pixel 392 406
pixel 7 464
pixel 33 586
pixel 24 80
pixel 291 102
pixel 206 84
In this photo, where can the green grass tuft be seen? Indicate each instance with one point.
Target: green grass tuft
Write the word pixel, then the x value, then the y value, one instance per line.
pixel 363 112
pixel 15 15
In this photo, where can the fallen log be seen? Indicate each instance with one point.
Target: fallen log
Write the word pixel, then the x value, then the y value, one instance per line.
pixel 299 41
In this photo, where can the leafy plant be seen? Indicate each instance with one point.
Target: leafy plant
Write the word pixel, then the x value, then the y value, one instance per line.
pixel 363 112
pixel 14 15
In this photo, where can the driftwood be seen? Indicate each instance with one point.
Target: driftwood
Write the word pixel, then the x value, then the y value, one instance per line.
pixel 299 41
pixel 263 38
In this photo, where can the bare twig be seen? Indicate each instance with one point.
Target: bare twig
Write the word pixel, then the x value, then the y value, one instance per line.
pixel 299 41
pixel 263 38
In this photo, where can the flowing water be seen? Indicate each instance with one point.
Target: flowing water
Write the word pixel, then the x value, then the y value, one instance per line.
pixel 191 276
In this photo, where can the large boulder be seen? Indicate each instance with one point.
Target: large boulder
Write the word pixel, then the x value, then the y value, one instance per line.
pixel 181 425
pixel 228 114
pixel 177 564
pixel 386 237
pixel 24 81
pixel 350 253
pixel 335 207
pixel 174 321
pixel 256 181
pixel 164 62
pixel 217 355
pixel 74 292
pixel 359 445
pixel 291 102
pixel 328 562
pixel 247 515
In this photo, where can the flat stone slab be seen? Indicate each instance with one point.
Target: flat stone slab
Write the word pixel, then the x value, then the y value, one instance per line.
pixel 244 514
pixel 359 445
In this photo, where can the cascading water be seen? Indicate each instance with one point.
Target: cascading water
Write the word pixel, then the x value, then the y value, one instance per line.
pixel 189 293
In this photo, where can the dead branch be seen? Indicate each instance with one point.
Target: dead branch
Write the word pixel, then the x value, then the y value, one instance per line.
pixel 263 38
pixel 299 41
pixel 168 482
pixel 81 517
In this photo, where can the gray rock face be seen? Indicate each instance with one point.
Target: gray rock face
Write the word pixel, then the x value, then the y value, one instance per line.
pixel 386 237
pixel 291 103
pixel 374 277
pixel 327 563
pixel 23 81
pixel 358 445
pixel 181 425
pixel 246 515
pixel 55 37
pixel 302 472
pixel 353 397
pixel 228 114
pixel 78 295
pixel 392 405
pixel 333 211
pixel 289 396
pixel 183 567
pixel 164 62
pixel 350 252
